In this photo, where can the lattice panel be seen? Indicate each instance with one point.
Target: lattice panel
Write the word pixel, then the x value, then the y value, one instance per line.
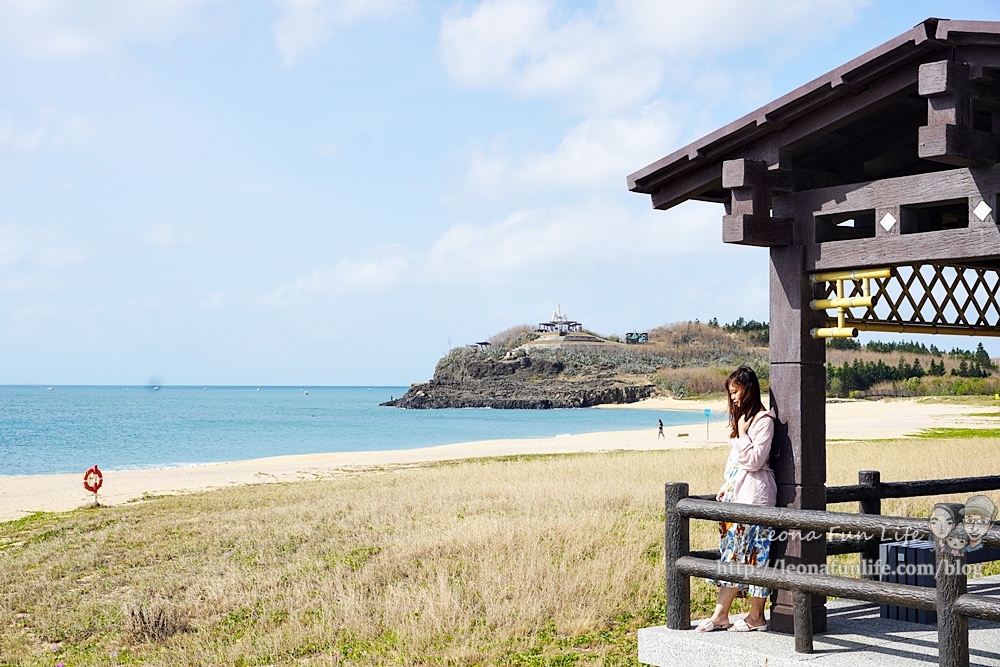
pixel 927 298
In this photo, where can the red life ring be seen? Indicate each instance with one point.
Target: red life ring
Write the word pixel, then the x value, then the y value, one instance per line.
pixel 92 479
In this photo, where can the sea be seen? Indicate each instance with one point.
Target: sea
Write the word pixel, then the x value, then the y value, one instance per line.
pixel 67 429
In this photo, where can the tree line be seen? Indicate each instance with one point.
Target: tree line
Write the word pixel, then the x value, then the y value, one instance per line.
pixel 861 375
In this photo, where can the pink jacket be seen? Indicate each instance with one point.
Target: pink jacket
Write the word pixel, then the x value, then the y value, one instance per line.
pixel 754 483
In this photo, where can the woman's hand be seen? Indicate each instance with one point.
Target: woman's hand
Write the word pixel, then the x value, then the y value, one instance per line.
pixel 743 425
pixel 720 495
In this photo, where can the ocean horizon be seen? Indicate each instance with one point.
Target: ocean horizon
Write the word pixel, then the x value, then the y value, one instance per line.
pixel 51 429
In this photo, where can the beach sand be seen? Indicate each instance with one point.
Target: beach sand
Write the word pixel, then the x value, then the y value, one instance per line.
pixel 847 420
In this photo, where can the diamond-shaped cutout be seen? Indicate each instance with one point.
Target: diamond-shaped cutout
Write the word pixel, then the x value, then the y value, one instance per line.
pixel 982 210
pixel 887 221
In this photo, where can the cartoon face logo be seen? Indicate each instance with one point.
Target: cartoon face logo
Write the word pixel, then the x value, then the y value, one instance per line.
pixel 957 539
pixel 978 516
pixel 942 521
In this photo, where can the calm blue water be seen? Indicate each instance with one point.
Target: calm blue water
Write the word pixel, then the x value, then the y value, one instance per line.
pixel 69 429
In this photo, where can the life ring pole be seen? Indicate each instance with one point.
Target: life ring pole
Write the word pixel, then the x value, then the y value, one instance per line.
pixel 92 481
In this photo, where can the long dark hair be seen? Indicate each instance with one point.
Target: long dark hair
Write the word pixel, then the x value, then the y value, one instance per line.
pixel 744 379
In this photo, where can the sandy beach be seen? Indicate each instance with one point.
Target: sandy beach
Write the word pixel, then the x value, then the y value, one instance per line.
pixel 846 420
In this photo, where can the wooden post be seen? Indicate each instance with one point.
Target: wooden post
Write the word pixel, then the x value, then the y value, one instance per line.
pixel 798 395
pixel 950 577
pixel 677 545
pixel 869 555
pixel 803 622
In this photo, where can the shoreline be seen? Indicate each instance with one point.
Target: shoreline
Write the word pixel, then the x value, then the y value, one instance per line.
pixel 21 495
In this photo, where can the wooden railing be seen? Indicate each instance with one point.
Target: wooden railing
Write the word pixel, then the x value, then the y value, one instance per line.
pixel 869 493
pixel 950 597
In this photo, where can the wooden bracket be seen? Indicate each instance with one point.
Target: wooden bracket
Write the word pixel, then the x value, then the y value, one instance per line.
pixel 748 218
pixel 950 136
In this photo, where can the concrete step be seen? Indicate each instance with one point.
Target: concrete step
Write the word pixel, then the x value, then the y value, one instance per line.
pixel 856 637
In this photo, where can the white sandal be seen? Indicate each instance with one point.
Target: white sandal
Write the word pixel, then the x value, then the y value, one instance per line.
pixel 741 625
pixel 708 626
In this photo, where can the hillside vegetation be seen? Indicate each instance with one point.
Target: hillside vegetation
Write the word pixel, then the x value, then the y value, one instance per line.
pixel 523 368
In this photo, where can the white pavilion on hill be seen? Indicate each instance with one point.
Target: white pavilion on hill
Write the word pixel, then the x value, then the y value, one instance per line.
pixel 560 323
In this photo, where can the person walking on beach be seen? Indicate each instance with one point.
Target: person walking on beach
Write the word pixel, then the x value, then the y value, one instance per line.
pixel 660 434
pixel 748 479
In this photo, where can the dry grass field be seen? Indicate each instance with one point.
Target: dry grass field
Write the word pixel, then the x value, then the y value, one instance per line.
pixel 524 561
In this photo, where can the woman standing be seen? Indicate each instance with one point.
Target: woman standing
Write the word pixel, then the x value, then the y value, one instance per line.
pixel 749 480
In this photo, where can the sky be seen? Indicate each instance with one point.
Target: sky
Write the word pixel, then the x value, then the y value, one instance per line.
pixel 336 192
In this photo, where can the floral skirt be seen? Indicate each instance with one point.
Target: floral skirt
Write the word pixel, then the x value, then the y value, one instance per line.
pixel 747 544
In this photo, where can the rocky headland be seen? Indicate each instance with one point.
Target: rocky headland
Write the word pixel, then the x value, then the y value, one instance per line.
pixel 524 369
pixel 517 383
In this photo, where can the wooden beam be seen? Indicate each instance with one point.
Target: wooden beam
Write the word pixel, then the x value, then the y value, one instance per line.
pixel 794 180
pixel 957 145
pixel 749 220
pixel 948 246
pixel 945 78
pixel 949 136
pixel 756 230
pixel 688 186
pixel 979 242
pixel 971 183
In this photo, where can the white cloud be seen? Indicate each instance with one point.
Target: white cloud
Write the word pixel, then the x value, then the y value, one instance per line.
pixel 583 239
pixel 38 248
pixel 586 239
pixel 382 268
pixel 164 235
pixel 327 149
pixel 214 300
pixel 620 53
pixel 67 28
pixel 597 153
pixel 47 128
pixel 29 318
pixel 305 25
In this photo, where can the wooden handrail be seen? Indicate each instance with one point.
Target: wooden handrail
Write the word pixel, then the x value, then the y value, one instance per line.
pixel 950 598
pixel 903 595
pixel 898 528
pixel 870 494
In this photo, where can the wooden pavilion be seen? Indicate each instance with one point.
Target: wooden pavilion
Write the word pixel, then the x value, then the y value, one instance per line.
pixel 874 187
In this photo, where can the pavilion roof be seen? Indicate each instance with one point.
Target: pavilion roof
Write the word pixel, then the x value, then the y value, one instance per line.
pixel 856 123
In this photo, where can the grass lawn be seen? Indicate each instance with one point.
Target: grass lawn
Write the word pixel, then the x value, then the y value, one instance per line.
pixel 553 560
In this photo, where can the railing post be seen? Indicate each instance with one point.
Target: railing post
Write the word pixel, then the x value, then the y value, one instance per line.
pixel 803 621
pixel 677 544
pixel 870 552
pixel 950 577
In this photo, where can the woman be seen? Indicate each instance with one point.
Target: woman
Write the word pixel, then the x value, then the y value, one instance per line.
pixel 748 480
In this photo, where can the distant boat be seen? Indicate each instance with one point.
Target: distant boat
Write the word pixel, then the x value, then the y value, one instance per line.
pixel 50 389
pixel 305 393
pixel 156 389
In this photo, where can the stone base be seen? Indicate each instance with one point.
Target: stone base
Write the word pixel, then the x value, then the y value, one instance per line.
pixel 856 637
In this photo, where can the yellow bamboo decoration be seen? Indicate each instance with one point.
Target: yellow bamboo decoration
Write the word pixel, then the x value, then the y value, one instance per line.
pixel 848 302
pixel 834 332
pixel 854 274
pixel 842 303
pixel 925 329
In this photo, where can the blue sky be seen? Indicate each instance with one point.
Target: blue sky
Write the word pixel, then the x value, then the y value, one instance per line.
pixel 337 191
